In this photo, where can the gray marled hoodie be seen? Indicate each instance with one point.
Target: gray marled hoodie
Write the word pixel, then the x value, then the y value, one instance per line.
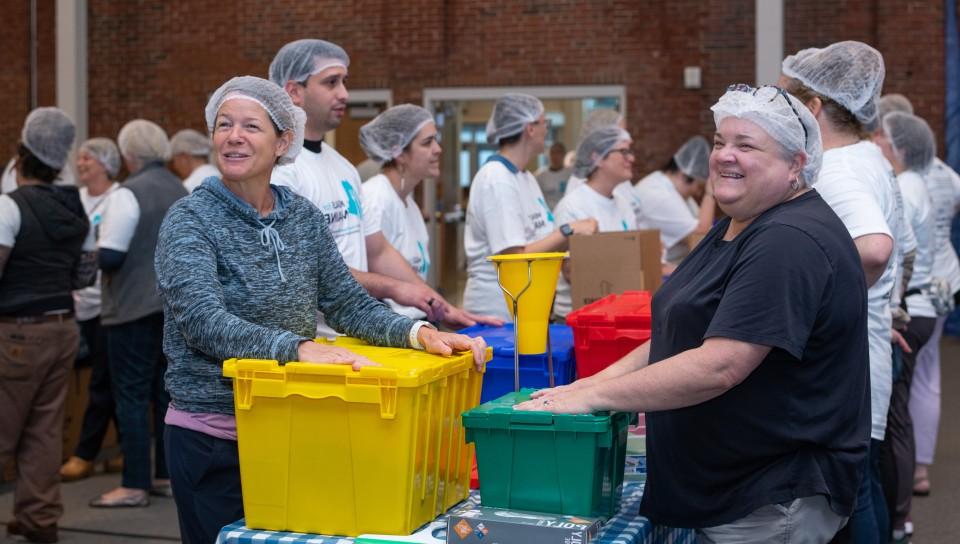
pixel 233 286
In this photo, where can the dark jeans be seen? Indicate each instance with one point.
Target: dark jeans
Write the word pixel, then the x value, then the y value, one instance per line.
pixel 869 523
pixel 898 454
pixel 205 477
pixel 100 407
pixel 137 365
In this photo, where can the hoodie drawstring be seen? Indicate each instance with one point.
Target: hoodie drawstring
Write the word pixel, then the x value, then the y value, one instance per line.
pixel 269 237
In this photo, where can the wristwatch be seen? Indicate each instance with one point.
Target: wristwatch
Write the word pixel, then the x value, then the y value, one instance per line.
pixel 566 230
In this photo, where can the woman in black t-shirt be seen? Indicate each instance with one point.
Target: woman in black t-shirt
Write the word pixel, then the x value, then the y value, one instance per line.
pixel 755 381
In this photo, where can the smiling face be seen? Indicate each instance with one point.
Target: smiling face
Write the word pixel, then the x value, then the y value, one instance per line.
pixel 749 171
pixel 421 159
pixel 618 164
pixel 246 143
pixel 89 169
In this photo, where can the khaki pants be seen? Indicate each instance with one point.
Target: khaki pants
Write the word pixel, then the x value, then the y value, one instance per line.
pixel 802 521
pixel 35 363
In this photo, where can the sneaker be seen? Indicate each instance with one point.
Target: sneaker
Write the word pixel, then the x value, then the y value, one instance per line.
pixel 75 468
pixel 908 527
pixel 40 534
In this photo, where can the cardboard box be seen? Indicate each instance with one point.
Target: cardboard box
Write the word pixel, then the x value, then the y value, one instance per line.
pixel 475 524
pixel 608 263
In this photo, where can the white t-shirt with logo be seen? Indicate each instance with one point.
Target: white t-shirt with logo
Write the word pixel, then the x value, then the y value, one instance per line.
pixel 403 226
pixel 663 208
pixel 86 301
pixel 332 184
pixel 506 210
pixel 943 186
pixel 199 174
pixel 612 214
pixel 858 183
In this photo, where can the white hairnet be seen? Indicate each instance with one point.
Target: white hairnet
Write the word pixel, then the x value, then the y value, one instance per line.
pixel 849 73
pixel 144 140
pixel 911 139
pixel 300 59
pixel 105 152
pixel 693 158
pixel 510 114
pixel 273 99
pixel 599 118
pixel 595 147
pixel 388 134
pixel 767 107
pixel 894 102
pixel 48 133
pixel 190 142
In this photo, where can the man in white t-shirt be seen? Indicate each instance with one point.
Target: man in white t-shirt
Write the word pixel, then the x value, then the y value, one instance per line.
pixel 190 158
pixel 552 178
pixel 313 72
pixel 604 159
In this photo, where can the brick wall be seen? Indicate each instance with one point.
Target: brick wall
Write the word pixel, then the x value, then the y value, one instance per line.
pixel 15 76
pixel 160 59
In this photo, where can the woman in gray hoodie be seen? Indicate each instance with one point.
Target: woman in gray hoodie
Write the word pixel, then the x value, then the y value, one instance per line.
pixel 243 266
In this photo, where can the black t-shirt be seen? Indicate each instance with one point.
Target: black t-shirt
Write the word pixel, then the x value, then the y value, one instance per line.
pixel 799 424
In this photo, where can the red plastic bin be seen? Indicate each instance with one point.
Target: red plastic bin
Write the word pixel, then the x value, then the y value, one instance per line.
pixel 608 329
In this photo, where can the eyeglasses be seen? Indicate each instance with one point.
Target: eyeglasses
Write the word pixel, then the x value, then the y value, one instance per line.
pixel 744 88
pixel 626 152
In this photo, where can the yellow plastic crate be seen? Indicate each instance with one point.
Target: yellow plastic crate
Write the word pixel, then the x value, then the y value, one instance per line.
pixel 325 449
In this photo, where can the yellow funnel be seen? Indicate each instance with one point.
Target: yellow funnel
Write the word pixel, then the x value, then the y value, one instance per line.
pixel 530 278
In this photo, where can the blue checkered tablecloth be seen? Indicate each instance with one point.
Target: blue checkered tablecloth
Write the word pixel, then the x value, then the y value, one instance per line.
pixel 624 528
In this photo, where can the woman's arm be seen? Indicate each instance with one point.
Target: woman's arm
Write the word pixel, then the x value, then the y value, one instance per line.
pixel 688 378
pixel 186 266
pixel 347 307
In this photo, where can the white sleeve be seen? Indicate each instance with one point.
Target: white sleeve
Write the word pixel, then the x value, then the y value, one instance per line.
pixel 9 221
pixel 668 212
pixel 855 204
pixel 119 220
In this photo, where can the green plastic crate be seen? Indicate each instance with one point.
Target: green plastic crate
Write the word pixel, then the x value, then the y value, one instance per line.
pixel 557 463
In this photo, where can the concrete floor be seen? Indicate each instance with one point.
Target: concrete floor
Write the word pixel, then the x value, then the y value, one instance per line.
pixel 937 517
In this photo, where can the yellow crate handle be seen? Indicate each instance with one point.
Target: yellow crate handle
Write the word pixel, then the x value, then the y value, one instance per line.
pixel 262 378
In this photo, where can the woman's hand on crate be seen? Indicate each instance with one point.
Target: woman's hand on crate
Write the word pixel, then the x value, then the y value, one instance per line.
pixel 445 343
pixel 551 391
pixel 312 352
pixel 560 400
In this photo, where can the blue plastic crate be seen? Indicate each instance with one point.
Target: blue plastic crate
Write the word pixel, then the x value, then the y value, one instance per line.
pixel 498 379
